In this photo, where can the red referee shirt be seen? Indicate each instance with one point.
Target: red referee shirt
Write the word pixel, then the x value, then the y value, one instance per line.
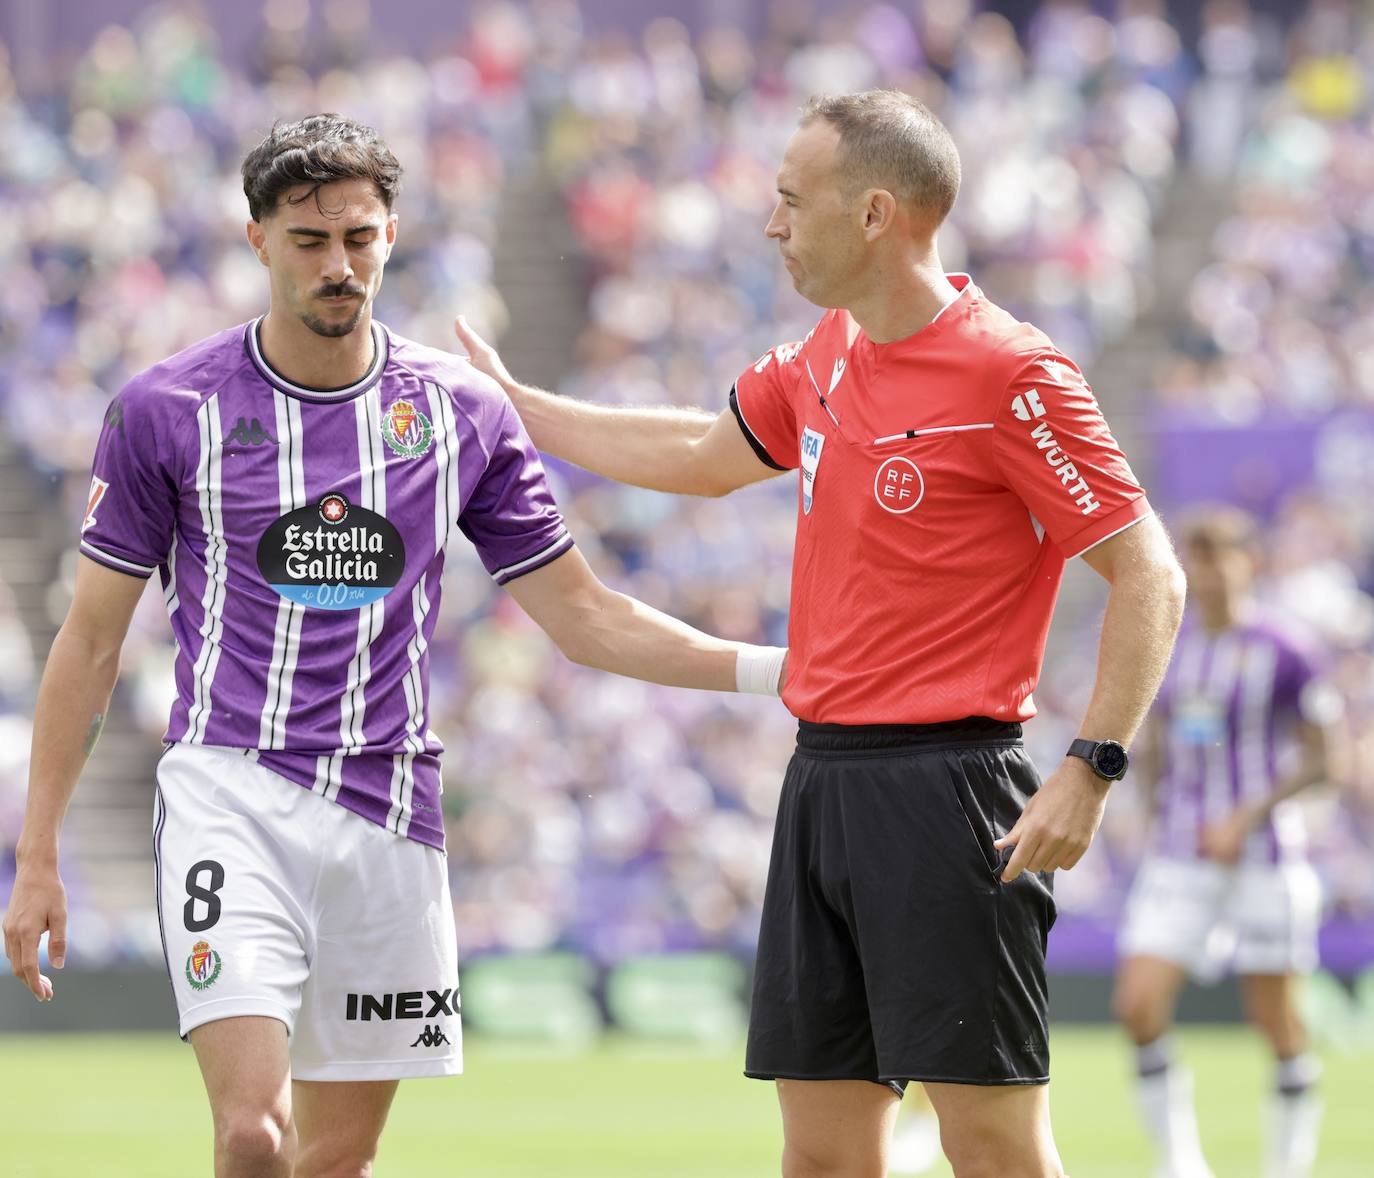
pixel 946 479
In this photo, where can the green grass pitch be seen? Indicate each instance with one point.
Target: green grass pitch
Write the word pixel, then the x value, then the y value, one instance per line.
pixel 131 1106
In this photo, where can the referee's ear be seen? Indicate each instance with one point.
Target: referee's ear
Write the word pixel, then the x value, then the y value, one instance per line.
pixel 881 212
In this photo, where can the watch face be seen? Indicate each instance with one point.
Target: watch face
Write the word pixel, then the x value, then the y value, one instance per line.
pixel 1110 759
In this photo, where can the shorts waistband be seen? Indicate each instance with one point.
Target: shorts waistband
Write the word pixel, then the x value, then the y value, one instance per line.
pixel 829 738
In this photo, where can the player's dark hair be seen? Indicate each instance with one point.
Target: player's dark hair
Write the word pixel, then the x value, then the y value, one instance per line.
pixel 316 151
pixel 1220 527
pixel 890 140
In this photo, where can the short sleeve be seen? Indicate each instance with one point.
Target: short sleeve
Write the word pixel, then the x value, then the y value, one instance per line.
pixel 511 517
pixel 1054 450
pixel 763 404
pixel 131 509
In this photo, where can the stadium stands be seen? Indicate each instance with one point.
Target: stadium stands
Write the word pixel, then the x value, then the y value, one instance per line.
pixel 595 814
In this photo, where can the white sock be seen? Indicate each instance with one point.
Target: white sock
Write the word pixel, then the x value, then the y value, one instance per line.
pixel 1295 1118
pixel 1165 1094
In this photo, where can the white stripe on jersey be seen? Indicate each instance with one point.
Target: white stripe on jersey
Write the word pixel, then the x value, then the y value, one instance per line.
pixel 507 571
pixel 446 495
pixel 143 570
pixel 290 614
pixel 169 594
pixel 372 494
pixel 1254 692
pixel 1218 796
pixel 1185 760
pixel 394 790
pixel 328 775
pixel 216 567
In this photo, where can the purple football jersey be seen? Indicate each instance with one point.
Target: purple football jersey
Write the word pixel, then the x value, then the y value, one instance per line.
pixel 1228 706
pixel 300 536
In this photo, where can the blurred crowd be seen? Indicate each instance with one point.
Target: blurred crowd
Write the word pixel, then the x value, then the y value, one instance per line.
pixel 586 811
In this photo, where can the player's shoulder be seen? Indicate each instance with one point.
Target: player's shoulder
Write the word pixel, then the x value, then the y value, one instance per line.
pixel 159 405
pixel 473 394
pixel 1289 637
pixel 182 382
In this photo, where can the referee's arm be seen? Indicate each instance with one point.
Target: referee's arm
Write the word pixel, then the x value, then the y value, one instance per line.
pixel 681 451
pixel 1144 609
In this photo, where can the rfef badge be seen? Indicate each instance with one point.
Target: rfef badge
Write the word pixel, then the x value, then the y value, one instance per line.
pixel 812 443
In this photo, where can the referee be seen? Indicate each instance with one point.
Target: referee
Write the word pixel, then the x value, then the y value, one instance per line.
pixel 952 460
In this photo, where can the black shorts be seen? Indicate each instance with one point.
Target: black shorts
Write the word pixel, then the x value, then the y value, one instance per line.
pixel 890 950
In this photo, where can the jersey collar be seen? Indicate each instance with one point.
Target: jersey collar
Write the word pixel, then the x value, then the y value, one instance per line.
pixel 381 351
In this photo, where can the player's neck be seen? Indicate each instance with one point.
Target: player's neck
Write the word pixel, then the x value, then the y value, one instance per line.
pixel 903 299
pixel 319 362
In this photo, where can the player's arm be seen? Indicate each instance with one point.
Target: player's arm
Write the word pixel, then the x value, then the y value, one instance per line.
pixel 683 451
pixel 1225 840
pixel 597 627
pixel 1144 609
pixel 73 699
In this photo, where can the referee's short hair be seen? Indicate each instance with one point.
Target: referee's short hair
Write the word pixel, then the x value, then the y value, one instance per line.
pixel 890 140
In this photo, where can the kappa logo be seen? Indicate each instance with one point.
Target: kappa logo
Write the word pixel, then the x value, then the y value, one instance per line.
pixel 432 1036
pixel 406 1004
pixel 899 486
pixel 98 489
pixel 248 433
pixel 407 431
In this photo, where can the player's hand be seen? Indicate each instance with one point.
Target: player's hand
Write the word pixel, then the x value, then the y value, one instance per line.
pixel 1058 823
pixel 38 905
pixel 483 356
pixel 1223 841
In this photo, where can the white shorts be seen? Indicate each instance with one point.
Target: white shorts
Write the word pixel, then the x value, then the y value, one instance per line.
pixel 276 902
pixel 1254 918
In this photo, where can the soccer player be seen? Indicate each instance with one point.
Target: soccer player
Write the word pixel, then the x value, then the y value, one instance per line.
pixel 1226 881
pixel 952 461
pixel 295 481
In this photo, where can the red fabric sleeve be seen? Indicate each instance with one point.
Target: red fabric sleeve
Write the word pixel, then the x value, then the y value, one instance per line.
pixel 1054 450
pixel 764 403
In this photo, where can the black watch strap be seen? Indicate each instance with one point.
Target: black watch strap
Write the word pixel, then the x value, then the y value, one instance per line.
pixel 1107 757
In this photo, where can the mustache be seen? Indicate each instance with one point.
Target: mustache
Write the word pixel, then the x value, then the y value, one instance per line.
pixel 338 290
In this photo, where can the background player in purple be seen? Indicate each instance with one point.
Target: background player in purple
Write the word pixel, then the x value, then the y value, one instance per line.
pixel 295 482
pixel 1237 730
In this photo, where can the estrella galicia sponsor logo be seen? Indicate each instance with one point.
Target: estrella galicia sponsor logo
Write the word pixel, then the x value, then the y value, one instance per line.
pixel 426 1004
pixel 407 431
pixel 432 1036
pixel 203 966
pixel 335 555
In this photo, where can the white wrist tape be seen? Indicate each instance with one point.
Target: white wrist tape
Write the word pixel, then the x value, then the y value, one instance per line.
pixel 758 669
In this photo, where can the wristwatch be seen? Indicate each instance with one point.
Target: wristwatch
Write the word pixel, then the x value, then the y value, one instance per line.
pixel 1107 757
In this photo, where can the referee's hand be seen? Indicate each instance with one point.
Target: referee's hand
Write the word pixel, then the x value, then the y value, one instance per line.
pixel 1058 823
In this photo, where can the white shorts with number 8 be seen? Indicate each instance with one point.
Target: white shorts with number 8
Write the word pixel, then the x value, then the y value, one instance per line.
pixel 279 903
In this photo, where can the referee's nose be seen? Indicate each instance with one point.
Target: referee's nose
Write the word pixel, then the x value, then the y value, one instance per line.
pixel 777 226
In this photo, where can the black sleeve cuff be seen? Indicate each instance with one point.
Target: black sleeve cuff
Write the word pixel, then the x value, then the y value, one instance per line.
pixel 758 447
